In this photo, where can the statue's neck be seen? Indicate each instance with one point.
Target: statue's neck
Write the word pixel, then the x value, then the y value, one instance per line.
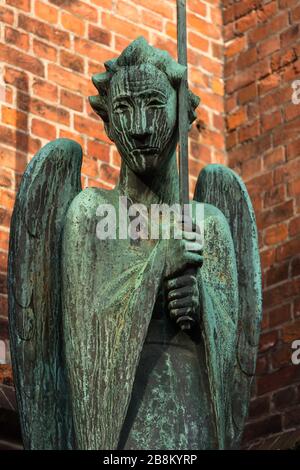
pixel 156 188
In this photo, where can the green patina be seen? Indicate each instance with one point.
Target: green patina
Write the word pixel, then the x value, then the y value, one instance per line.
pixel 99 363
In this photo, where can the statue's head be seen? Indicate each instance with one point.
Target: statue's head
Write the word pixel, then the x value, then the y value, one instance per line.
pixel 138 103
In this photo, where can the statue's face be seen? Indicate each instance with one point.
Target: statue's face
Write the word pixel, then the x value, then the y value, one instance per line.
pixel 142 114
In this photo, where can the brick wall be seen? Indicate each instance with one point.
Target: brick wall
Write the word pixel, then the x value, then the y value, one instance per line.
pixel 49 50
pixel 262 59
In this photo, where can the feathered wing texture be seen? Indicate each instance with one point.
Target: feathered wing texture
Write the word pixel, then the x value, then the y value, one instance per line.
pixel 50 183
pixel 221 187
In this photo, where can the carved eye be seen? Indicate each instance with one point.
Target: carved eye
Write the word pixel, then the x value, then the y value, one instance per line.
pixel 121 108
pixel 156 103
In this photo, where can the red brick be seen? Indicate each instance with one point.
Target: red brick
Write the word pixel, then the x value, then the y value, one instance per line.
pixel 45 90
pixel 294 187
pixel 246 22
pixel 44 110
pixel 287 172
pixel 294 226
pixel 291 332
pixel 274 196
pixel 247 94
pixel 123 27
pixel 98 150
pixel 236 119
pixel 289 35
pixel 14 57
pixel 72 23
pixel 109 174
pixel 296 14
pixel 11 158
pixel 22 4
pixel 279 379
pixel 258 407
pixel 15 118
pixel 162 8
pixel 71 61
pixel 207 29
pixel 18 39
pixel 99 35
pixel 45 51
pixel 198 41
pixel 6 180
pixel 255 72
pixel 197 6
pixel 281 356
pixel 246 58
pixel 44 31
pixel 275 235
pixel 281 293
pixel 5 216
pixel 90 127
pixel 46 12
pixel 269 83
pixel 78 8
pixel 264 427
pixel 156 22
pixel 291 111
pixel 276 156
pixel 288 249
pixel 268 340
pixel 293 149
pixel 280 315
pixel 268 46
pixel 235 46
pixel 275 215
pixel 287 132
pixel 43 129
pixel 263 31
pixel 6 15
pixel 70 80
pixel 270 121
pixel 94 51
pixel 249 132
pixel 282 59
pixel 71 100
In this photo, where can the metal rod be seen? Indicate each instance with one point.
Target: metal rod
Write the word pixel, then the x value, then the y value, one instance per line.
pixel 183 104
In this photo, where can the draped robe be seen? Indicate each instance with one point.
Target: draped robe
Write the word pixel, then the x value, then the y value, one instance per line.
pixel 136 380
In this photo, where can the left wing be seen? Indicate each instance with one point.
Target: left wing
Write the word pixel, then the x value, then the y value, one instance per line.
pixel 50 183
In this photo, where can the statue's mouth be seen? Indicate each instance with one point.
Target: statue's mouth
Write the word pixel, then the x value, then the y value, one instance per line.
pixel 145 150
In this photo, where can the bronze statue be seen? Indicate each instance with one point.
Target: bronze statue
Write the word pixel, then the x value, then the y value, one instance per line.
pixel 132 343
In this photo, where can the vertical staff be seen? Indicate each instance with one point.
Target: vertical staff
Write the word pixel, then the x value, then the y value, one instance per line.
pixel 183 105
pixel 183 124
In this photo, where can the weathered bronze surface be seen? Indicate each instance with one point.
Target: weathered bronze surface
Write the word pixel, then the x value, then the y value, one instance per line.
pixel 100 361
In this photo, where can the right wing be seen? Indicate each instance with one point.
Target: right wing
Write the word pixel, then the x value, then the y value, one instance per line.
pixel 50 183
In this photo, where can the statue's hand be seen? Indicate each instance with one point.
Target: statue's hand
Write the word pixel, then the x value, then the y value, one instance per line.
pixel 183 297
pixel 183 252
pixel 184 258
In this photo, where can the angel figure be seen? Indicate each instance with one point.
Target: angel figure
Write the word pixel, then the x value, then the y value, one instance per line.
pixel 99 358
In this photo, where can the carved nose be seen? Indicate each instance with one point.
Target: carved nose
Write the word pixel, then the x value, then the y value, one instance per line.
pixel 140 135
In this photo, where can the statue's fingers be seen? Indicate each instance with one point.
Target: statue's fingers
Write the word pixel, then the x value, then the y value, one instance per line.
pixel 176 313
pixel 195 247
pixel 196 228
pixel 185 280
pixel 181 292
pixel 192 236
pixel 193 258
pixel 189 301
